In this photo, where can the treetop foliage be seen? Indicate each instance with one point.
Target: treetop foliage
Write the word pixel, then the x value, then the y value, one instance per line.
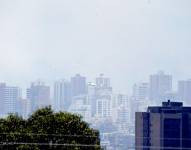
pixel 47 130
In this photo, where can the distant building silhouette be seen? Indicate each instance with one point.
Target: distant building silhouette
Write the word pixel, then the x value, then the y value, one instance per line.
pixel 91 92
pixel 9 96
pixel 184 91
pixel 78 85
pixel 160 84
pixel 165 127
pixel 104 97
pixel 39 95
pixel 103 84
pixel 104 106
pixel 62 95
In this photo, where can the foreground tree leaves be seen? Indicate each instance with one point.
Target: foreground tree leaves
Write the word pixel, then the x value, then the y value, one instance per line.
pixel 46 130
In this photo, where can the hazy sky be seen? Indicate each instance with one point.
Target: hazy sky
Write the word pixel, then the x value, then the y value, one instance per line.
pixel 125 39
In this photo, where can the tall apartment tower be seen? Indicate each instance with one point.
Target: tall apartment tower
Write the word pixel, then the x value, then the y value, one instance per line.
pixel 140 99
pixel 103 83
pixel 103 108
pixel 160 84
pixel 9 97
pixel 78 85
pixel 62 95
pixel 165 127
pixel 91 93
pixel 103 97
pixel 39 95
pixel 184 91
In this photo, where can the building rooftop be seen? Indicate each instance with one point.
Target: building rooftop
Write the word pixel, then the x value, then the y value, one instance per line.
pixel 169 107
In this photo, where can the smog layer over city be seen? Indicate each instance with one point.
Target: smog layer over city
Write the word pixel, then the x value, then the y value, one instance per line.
pixel 119 68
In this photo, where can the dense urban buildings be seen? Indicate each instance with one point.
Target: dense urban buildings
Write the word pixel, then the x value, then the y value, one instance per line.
pixel 97 102
pixel 164 127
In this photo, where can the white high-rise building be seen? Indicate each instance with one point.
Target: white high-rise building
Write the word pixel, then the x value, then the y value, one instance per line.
pixel 123 118
pixel 102 82
pixel 104 97
pixel 140 98
pixel 103 86
pixel 9 97
pixel 119 101
pixel 184 91
pixel 80 105
pixel 62 95
pixel 91 92
pixel 104 106
pixel 160 84
pixel 121 111
pixel 141 91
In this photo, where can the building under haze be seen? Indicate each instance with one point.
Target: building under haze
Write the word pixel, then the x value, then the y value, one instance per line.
pixel 160 84
pixel 78 85
pixel 23 107
pixel 104 107
pixel 184 91
pixel 103 97
pixel 38 95
pixel 140 98
pixel 103 84
pixel 141 91
pixel 91 93
pixel 62 95
pixel 164 127
pixel 9 97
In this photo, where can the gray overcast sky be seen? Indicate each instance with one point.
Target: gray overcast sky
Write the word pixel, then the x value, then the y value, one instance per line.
pixel 125 39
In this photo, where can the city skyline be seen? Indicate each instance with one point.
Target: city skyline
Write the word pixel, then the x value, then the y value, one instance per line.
pixel 116 88
pixel 72 67
pixel 45 40
pixel 97 103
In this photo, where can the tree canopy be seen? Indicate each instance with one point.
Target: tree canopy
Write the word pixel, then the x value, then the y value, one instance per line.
pixel 47 130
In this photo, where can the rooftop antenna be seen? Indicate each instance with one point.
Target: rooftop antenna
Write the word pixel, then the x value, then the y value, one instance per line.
pixel 169 102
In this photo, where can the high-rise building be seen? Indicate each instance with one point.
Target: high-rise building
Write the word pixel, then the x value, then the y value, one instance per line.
pixel 80 105
pixel 159 84
pixel 184 91
pixel 141 91
pixel 164 127
pixel 103 85
pixel 23 108
pixel 91 92
pixel 78 85
pixel 102 82
pixel 120 106
pixel 123 118
pixel 140 99
pixel 39 95
pixel 104 97
pixel 9 97
pixel 121 100
pixel 62 95
pixel 123 115
pixel 104 107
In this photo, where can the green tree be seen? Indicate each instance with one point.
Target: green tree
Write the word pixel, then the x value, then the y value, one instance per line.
pixel 47 130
